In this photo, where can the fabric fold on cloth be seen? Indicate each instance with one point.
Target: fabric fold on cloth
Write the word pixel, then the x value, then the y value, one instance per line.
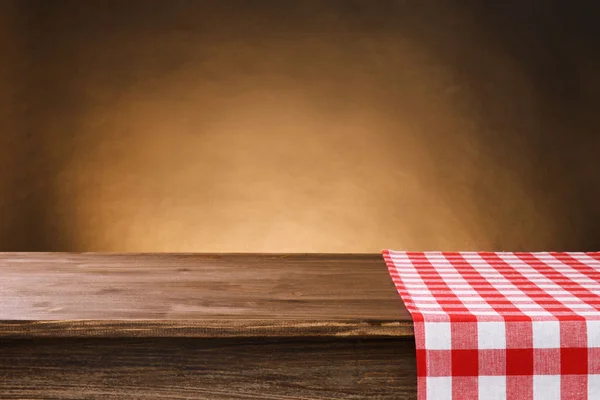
pixel 502 325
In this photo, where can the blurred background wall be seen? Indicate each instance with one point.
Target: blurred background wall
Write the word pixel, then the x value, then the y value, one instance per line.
pixel 300 126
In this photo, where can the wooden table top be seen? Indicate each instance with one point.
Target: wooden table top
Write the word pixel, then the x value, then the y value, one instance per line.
pixel 198 295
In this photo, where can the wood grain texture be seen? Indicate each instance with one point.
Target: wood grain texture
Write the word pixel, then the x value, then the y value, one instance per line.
pixel 212 369
pixel 198 295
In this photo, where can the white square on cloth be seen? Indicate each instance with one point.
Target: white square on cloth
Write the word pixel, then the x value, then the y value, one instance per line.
pixel 546 387
pixel 593 333
pixel 492 387
pixel 491 335
pixel 546 334
pixel 593 386
pixel 438 336
pixel 439 387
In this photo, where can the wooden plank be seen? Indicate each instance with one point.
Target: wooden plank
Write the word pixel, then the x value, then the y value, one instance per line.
pixel 198 295
pixel 215 369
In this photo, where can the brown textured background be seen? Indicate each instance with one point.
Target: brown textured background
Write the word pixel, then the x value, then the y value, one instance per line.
pixel 299 126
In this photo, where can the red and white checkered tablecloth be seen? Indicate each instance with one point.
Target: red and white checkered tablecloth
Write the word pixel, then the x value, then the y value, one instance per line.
pixel 503 325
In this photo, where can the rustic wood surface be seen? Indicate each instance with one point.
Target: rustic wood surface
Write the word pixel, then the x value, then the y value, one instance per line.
pixel 198 295
pixel 212 369
pixel 177 326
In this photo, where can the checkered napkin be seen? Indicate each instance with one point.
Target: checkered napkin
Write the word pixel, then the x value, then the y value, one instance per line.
pixel 503 325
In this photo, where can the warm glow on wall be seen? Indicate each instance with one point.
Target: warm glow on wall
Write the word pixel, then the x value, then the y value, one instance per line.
pixel 211 128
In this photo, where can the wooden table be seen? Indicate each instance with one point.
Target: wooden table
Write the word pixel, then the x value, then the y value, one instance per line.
pixel 210 326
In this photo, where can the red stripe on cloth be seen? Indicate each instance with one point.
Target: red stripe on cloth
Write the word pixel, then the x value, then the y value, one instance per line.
pixel 502 325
